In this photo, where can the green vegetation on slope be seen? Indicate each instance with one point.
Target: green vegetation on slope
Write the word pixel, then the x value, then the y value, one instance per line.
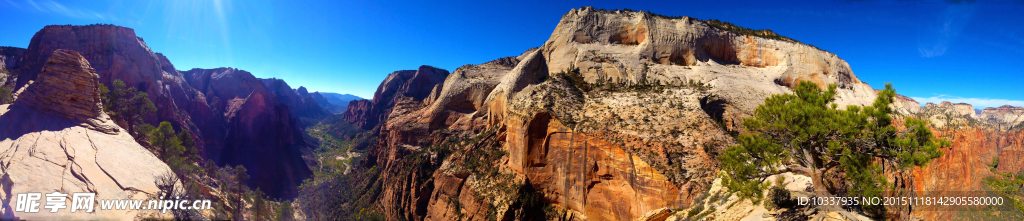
pixel 764 33
pixel 333 194
pixel 725 26
pixel 340 142
pixel 1007 185
pixel 6 96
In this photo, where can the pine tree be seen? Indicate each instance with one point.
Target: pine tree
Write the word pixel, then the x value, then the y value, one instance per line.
pixel 127 104
pixel 167 144
pixel 211 168
pixel 285 212
pixel 240 178
pixel 805 133
pixel 190 144
pixel 258 204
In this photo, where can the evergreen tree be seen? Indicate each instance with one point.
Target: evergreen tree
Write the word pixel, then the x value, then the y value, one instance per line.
pixel 806 133
pixel 178 157
pixel 190 144
pixel 167 144
pixel 285 212
pixel 258 205
pixel 240 178
pixel 211 168
pixel 144 131
pixel 127 104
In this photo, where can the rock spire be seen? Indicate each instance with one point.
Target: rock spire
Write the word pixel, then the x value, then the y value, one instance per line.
pixel 68 87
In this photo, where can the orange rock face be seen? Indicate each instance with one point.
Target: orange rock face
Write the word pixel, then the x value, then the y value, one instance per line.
pixel 965 164
pixel 585 173
pixel 592 175
pixel 1011 157
pixel 960 166
pixel 757 55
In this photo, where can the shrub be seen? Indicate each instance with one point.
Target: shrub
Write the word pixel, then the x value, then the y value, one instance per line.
pixel 6 96
pixel 779 197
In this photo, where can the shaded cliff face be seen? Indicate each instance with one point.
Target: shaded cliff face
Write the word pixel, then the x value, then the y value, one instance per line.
pixel 259 130
pixel 301 103
pixel 116 53
pixel 412 84
pixel 55 137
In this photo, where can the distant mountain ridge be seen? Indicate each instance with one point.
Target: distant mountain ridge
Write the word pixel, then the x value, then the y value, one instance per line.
pixel 334 102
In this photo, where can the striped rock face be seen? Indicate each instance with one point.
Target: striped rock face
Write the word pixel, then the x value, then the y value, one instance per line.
pixel 68 87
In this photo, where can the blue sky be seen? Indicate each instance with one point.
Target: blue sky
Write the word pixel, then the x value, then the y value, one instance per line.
pixel 962 51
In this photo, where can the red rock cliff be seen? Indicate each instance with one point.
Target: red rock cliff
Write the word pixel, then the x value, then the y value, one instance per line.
pixel 116 53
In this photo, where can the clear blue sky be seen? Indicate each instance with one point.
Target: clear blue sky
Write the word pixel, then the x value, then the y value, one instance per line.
pixel 960 51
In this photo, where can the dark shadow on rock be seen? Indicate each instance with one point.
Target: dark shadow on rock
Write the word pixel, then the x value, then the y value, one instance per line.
pixel 18 119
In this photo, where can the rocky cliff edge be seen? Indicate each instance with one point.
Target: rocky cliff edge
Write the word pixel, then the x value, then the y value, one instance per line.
pixel 53 140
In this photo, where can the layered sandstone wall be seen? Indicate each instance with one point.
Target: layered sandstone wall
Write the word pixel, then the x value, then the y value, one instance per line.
pixel 651 39
pixel 612 174
pixel 1010 117
pixel 742 70
pixel 68 87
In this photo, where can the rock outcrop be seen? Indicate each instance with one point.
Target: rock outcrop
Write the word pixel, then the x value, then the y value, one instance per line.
pixel 68 87
pixel 55 137
pixel 414 84
pixel 905 105
pixel 630 46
